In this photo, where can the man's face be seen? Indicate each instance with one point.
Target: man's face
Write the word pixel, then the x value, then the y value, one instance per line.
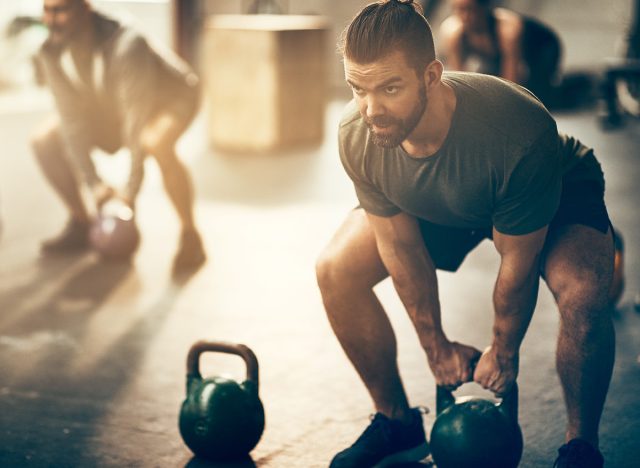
pixel 63 18
pixel 469 12
pixel 391 97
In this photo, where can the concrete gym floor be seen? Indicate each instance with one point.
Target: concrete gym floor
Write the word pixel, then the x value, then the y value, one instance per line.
pixel 92 355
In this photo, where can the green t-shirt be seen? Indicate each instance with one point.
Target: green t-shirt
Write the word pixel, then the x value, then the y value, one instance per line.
pixel 501 164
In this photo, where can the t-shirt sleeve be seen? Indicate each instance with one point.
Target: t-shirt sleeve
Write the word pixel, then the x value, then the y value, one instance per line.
pixel 531 194
pixel 370 197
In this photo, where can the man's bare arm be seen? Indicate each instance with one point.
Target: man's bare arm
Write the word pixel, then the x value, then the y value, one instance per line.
pixel 409 264
pixel 514 299
pixel 510 42
pixel 516 288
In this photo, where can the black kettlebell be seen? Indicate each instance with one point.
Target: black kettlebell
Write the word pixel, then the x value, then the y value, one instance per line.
pixel 221 419
pixel 475 432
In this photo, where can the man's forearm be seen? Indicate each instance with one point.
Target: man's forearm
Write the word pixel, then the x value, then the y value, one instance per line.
pixel 514 302
pixel 79 150
pixel 414 278
pixel 136 174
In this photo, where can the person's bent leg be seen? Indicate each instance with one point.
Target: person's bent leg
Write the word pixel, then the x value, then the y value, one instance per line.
pixel 578 270
pixel 159 139
pixel 51 156
pixel 347 270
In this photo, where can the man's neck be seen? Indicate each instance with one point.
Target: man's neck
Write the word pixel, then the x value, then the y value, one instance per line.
pixel 82 42
pixel 483 26
pixel 433 128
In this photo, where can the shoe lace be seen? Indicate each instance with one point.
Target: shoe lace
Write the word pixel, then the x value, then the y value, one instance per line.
pixel 380 423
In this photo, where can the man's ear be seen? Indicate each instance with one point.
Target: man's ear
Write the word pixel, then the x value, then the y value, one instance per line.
pixel 433 74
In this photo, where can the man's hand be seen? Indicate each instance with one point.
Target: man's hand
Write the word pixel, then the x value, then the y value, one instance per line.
pixel 452 363
pixel 102 193
pixel 496 372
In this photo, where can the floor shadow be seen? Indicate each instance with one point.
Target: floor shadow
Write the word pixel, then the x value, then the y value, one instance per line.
pixel 43 269
pixel 97 280
pixel 79 282
pixel 40 382
pixel 197 462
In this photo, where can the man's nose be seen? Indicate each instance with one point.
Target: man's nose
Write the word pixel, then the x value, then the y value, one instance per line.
pixel 464 15
pixel 49 18
pixel 374 107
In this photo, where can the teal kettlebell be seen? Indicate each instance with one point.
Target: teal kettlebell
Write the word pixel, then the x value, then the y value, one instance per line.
pixel 221 419
pixel 475 432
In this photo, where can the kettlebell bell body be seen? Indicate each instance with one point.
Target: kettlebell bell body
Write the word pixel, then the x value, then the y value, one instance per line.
pixel 114 233
pixel 221 419
pixel 475 432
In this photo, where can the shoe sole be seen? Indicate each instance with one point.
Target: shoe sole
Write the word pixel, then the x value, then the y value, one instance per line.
pixel 407 456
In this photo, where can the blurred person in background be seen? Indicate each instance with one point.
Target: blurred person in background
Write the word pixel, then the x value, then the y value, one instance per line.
pixel 479 37
pixel 112 89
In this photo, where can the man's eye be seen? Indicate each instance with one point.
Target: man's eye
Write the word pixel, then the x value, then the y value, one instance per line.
pixel 357 91
pixel 391 89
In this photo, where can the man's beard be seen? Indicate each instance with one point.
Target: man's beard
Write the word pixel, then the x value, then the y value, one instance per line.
pixel 403 128
pixel 60 37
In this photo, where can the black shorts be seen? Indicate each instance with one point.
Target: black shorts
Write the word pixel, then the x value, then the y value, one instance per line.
pixel 581 202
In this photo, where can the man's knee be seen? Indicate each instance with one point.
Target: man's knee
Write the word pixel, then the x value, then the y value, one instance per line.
pixel 167 160
pixel 583 304
pixel 338 274
pixel 350 263
pixel 46 144
pixel 579 269
pixel 159 137
pixel 328 271
pixel 163 153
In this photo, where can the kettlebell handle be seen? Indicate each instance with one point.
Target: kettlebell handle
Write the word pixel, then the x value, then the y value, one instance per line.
pixel 508 403
pixel 193 358
pixel 444 397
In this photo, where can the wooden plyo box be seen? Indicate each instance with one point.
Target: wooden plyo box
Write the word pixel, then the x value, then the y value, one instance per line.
pixel 265 80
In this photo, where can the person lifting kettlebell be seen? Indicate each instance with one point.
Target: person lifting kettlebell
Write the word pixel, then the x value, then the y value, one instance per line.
pixel 440 162
pixel 112 89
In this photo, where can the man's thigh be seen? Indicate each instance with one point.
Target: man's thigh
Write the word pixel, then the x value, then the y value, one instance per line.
pixel 578 265
pixel 170 121
pixel 353 253
pixel 47 135
pixel 579 249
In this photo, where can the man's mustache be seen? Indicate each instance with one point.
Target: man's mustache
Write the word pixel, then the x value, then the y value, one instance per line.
pixel 381 121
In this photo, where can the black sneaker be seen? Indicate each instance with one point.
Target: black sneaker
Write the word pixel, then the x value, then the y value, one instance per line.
pixel 386 442
pixel 578 453
pixel 191 252
pixel 74 237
